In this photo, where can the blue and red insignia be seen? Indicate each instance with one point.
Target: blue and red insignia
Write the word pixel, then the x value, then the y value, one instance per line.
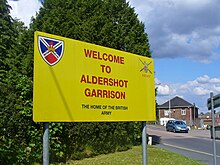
pixel 50 49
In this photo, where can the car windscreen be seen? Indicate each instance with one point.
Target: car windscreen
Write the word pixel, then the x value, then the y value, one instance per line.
pixel 179 123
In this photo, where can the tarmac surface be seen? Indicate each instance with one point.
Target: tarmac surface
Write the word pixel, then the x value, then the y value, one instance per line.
pixel 197 144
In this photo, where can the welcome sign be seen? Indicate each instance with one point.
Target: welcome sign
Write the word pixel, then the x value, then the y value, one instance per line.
pixel 75 81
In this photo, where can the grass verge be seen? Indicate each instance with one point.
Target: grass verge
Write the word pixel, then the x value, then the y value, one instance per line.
pixel 156 156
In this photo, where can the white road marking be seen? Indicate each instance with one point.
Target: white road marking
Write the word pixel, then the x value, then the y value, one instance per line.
pixel 187 149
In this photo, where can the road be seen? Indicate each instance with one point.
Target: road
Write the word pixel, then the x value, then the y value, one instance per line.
pixel 196 144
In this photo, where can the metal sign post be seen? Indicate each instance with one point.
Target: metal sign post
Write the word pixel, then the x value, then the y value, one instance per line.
pixel 213 128
pixel 213 102
pixel 144 143
pixel 46 144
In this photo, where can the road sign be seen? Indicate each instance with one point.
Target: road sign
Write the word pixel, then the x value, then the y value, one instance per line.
pixel 75 81
pixel 216 102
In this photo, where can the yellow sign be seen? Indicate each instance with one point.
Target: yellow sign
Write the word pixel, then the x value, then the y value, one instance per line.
pixel 75 81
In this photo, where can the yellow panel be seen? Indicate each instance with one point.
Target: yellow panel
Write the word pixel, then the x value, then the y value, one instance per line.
pixel 75 81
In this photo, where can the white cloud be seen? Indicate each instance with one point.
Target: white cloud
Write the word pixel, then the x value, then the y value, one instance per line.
pixel 24 9
pixel 215 80
pixel 163 90
pixel 200 91
pixel 217 88
pixel 196 91
pixel 202 85
pixel 206 79
pixel 203 79
pixel 182 28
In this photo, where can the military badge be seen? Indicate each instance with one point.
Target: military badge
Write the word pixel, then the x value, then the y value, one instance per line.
pixel 50 49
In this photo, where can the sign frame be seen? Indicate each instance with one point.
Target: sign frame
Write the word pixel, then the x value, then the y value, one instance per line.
pixel 216 102
pixel 100 84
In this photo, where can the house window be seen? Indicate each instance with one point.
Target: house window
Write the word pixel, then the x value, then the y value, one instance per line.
pixel 183 111
pixel 166 113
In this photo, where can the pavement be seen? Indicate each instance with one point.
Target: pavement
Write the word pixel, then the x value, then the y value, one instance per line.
pixel 200 133
pixel 156 132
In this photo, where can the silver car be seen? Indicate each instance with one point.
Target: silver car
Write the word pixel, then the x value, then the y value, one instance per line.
pixel 176 126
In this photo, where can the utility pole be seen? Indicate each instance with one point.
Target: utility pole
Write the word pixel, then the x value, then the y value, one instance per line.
pixel 194 111
pixel 190 116
pixel 169 108
pixel 169 104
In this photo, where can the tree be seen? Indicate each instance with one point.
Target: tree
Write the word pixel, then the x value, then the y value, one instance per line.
pixel 15 92
pixel 110 23
pixel 6 34
pixel 6 45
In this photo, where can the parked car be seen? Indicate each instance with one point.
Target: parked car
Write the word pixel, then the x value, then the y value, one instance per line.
pixel 177 126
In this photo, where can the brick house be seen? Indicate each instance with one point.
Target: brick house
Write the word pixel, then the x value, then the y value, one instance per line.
pixel 206 119
pixel 179 109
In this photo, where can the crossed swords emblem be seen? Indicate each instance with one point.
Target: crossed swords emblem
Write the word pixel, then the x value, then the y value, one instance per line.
pixel 145 68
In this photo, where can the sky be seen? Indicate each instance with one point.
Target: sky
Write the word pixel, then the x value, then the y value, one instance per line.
pixel 184 37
